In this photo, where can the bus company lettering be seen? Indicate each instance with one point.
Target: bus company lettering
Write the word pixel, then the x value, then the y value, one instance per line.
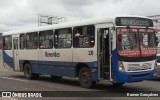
pixel 54 54
pixel 134 22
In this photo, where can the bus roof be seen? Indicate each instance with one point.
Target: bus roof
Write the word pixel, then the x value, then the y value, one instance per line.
pixel 98 20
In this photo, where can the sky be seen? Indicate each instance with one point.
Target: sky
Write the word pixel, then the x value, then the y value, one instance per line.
pixel 19 14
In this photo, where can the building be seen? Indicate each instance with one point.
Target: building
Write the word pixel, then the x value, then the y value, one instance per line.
pixel 156 19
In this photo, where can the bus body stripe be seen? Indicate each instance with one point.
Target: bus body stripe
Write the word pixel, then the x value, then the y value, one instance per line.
pixel 57 68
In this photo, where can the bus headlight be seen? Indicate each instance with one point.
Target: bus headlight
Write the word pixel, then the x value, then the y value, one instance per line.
pixel 121 67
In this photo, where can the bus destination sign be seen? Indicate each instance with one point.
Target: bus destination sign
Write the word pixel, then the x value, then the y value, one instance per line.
pixel 133 21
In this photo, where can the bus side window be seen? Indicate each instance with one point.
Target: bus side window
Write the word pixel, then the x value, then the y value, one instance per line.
pixel 22 41
pixel 84 36
pixel 50 43
pixel 62 38
pixel 32 40
pixel 35 45
pixel 7 43
pixel 46 39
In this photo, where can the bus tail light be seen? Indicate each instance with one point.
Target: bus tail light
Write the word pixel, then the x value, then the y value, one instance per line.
pixel 120 65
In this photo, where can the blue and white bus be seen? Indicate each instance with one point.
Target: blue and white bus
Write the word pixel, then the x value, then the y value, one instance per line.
pixel 119 49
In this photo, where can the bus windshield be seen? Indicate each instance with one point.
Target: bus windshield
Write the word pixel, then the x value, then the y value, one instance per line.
pixel 135 42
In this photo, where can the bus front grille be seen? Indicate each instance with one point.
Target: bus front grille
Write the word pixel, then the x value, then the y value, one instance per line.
pixel 139 67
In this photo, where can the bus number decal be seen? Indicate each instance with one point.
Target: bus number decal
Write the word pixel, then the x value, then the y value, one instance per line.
pixel 90 52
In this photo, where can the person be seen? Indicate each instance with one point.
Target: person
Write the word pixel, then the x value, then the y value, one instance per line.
pixel 77 33
pixel 76 38
pixel 41 45
pixel 35 45
pixel 50 43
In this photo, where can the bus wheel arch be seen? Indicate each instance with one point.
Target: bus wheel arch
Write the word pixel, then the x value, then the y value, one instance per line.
pixel 85 76
pixel 28 73
pixel 25 62
pixel 78 68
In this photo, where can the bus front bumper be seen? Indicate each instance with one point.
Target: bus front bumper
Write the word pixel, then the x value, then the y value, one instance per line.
pixel 122 77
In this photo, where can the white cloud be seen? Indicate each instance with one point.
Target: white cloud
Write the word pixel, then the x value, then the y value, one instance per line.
pixel 16 14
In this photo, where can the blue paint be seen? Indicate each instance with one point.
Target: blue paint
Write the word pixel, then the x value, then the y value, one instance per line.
pixel 94 73
pixel 54 70
pixel 131 77
pixel 7 59
pixel 114 64
pixel 59 68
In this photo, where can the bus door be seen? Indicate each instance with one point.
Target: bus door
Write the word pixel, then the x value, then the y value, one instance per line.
pixel 15 54
pixel 104 53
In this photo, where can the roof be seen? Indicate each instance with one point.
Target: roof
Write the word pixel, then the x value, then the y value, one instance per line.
pixel 69 24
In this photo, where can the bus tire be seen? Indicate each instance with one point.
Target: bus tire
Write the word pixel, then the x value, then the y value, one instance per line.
pixel 117 84
pixel 28 72
pixel 85 78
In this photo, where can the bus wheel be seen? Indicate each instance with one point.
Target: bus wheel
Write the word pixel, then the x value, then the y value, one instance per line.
pixel 85 78
pixel 28 72
pixel 55 77
pixel 117 84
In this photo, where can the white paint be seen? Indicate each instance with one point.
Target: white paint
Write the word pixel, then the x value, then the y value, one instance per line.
pixel 126 65
pixel 70 24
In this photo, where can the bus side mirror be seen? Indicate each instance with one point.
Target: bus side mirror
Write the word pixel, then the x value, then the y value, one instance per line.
pixel 119 38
